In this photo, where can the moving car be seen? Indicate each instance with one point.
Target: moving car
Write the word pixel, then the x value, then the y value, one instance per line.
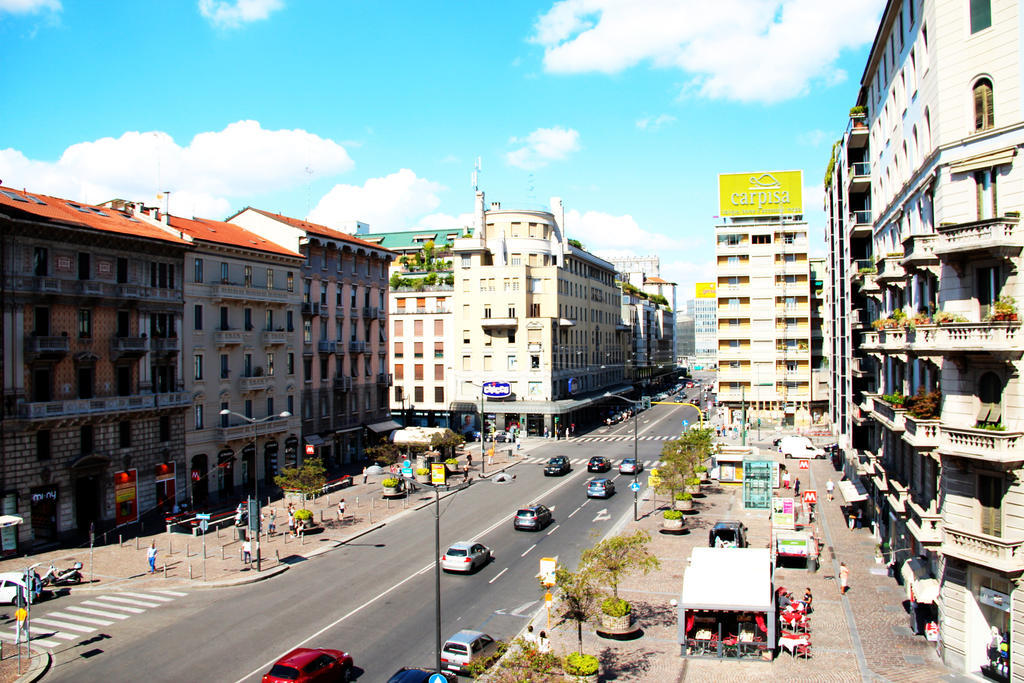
pixel 409 675
pixel 599 463
pixel 501 437
pixel 631 466
pixel 799 447
pixel 534 517
pixel 465 648
pixel 600 488
pixel 465 556
pixel 557 465
pixel 728 534
pixel 306 665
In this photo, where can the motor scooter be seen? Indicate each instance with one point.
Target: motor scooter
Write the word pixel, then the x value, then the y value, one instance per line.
pixel 63 577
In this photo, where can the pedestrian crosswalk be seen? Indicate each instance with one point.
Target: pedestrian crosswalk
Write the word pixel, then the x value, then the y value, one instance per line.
pixel 55 628
pixel 581 461
pixel 622 437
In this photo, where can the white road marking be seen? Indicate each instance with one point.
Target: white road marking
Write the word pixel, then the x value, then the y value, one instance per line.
pixel 147 597
pixel 35 641
pixel 96 603
pixel 498 575
pixel 75 617
pixel 176 594
pixel 602 515
pixel 63 624
pixel 553 530
pixel 98 613
pixel 574 512
pixel 528 550
pixel 129 601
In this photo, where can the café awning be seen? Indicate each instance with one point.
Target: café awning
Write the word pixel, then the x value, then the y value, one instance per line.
pixel 853 491
pixel 728 579
pixel 385 426
pixel 917 579
pixel 10 520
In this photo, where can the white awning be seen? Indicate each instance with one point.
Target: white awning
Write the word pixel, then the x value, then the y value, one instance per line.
pixel 10 520
pixel 730 579
pixel 917 580
pixel 852 490
pixel 986 160
pixel 417 435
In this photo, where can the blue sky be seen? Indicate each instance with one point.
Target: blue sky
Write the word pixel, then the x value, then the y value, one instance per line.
pixel 340 110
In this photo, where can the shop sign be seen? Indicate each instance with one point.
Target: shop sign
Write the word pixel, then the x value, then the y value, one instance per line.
pixel 437 473
pixel 783 513
pixel 125 496
pixel 497 389
pixel 1000 601
pixel 165 472
pixel 760 194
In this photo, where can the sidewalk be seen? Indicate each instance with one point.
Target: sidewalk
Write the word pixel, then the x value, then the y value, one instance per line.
pixel 861 636
pixel 180 564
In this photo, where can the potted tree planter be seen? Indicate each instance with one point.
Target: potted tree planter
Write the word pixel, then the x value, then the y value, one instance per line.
pixel 672 521
pixel 683 501
pixel 692 485
pixel 582 668
pixel 616 616
pixel 391 486
pixel 702 472
pixel 422 475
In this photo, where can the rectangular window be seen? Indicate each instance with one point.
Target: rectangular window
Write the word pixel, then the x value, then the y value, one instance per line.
pixel 248 407
pixel 511 362
pixel 197 366
pixel 985 195
pixel 225 371
pixel 124 430
pixel 307 369
pixel 198 272
pixel 247 319
pixel 40 262
pixel 399 371
pixel 990 500
pixel 981 15
pixel 438 394
pixel 290 363
pixel 270 364
pixel 84 323
pixel 399 349
pixel 438 349
pixel 43 444
pixel 439 372
pixel 85 440
pixel 417 349
pixel 197 317
pixel 197 416
pixel 418 372
pixel 307 331
pixel 84 269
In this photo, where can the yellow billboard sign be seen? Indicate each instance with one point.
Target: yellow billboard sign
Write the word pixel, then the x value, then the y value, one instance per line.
pixel 706 290
pixel 760 194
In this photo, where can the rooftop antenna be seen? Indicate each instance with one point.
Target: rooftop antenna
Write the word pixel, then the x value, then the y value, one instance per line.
pixel 477 167
pixel 309 176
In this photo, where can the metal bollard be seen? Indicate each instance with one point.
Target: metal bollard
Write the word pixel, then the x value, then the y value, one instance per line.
pixel 222 552
pixel 170 546
pixel 120 541
pixel 322 515
pixel 189 571
pixel 165 570
pixel 277 554
pixel 186 551
pixel 302 538
pixel 136 542
pixel 357 501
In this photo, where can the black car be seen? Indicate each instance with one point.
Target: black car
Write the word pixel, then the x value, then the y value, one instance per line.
pixel 729 534
pixel 534 517
pixel 599 464
pixel 557 466
pixel 409 675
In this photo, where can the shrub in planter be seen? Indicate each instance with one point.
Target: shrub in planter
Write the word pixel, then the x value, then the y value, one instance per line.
pixel 577 664
pixel 390 482
pixel 303 515
pixel 421 471
pixel 683 501
pixel 452 462
pixel 692 482
pixel 615 607
pixel 673 516
pixel 924 405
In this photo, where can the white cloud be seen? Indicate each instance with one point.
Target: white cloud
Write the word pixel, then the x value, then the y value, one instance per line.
pixel 443 221
pixel 228 14
pixel 603 233
pixel 394 202
pixel 745 50
pixel 654 122
pixel 813 138
pixel 239 161
pixel 543 146
pixel 29 6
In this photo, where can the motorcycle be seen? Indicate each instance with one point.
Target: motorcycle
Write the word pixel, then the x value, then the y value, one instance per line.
pixel 63 577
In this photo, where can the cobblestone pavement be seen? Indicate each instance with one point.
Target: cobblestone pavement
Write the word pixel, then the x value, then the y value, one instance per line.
pixel 863 635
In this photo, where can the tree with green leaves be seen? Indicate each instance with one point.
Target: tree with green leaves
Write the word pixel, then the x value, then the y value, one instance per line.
pixel 578 593
pixel 447 442
pixel 308 479
pixel 385 453
pixel 614 557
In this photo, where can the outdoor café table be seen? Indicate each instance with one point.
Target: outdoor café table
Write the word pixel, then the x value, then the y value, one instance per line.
pixel 790 641
pixel 702 646
pixel 791 619
pixel 752 648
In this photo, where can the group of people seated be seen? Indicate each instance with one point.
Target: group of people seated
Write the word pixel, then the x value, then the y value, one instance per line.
pixel 788 603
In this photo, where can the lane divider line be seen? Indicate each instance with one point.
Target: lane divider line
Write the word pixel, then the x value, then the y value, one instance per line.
pixel 498 575
pixel 528 550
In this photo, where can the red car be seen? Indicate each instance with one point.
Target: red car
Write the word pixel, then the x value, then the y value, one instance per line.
pixel 306 665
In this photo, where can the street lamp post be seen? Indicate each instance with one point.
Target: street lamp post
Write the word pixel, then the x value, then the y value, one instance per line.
pixel 255 479
pixel 636 461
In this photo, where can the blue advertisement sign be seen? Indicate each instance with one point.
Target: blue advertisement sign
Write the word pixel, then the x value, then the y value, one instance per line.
pixel 497 389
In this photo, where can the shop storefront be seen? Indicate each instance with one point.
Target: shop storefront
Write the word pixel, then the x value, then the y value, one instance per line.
pixel 126 497
pixel 989 626
pixel 166 487
pixel 44 514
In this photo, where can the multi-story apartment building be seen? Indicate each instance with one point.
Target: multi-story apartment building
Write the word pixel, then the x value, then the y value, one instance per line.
pixel 94 403
pixel 345 373
pixel 421 293
pixel 536 311
pixel 653 346
pixel 764 295
pixel 931 158
pixel 685 347
pixel 819 342
pixel 705 324
pixel 242 303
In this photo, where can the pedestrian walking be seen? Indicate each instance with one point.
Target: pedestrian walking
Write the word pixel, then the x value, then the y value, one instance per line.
pixel 364 474
pixel 543 644
pixel 829 488
pixel 291 521
pixel 469 460
pixel 796 486
pixel 151 556
pixel 572 429
pixel 852 520
pixel 859 518
pixel 844 578
pixel 341 509
pixel 271 524
pixel 547 433
pixel 247 551
pixel 808 600
pixel 530 636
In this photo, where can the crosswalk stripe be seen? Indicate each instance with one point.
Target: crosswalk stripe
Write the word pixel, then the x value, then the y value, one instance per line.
pixel 63 624
pixel 98 613
pixel 76 617
pixel 176 594
pixel 62 636
pixel 147 597
pixel 36 641
pixel 96 603
pixel 130 601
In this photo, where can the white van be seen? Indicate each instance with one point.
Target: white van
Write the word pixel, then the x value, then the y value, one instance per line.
pixel 799 447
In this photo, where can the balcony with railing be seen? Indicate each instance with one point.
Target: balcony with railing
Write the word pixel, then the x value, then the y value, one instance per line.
pixel 355 346
pixel 890 270
pixel 859 176
pixel 274 337
pixel 255 382
pixel 226 291
pixel 128 347
pixel 920 432
pixel 225 337
pixel 991 237
pixel 995 552
pixel 919 251
pixel 166 345
pixel 48 347
pixel 857 131
pixel 981 444
pixel 310 308
pixel 47 410
pixel 343 383
pixel 499 322
pixel 327 346
pixel 384 379
pixel 924 522
pixel 370 311
pixel 982 337
pixel 889 414
pixel 860 223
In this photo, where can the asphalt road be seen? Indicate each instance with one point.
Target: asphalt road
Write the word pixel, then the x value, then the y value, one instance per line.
pixel 375 598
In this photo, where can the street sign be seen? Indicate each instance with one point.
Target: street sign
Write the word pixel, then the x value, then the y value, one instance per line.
pixel 634 487
pixel 547 570
pixel 203 525
pixel 437 678
pixel 548 597
pixel 310 449
pixel 437 473
pixel 406 471
pixel 203 516
pixel 686 423
pixel 406 464
pixel 655 478
pixel 805 464
pixel 810 497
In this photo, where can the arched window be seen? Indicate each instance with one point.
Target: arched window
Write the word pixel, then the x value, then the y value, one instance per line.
pixel 983 106
pixel 990 392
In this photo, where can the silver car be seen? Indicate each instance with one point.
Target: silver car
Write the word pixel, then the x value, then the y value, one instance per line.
pixel 466 647
pixel 631 466
pixel 465 556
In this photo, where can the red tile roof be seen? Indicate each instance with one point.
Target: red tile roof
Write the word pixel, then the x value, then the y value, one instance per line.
pixel 228 233
pixel 316 229
pixel 82 215
pixel 657 281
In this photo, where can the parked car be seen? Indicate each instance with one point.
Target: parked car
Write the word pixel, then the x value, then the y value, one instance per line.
pixel 631 466
pixel 799 447
pixel 557 465
pixel 306 665
pixel 465 556
pixel 534 517
pixel 728 534
pixel 465 648
pixel 12 583
pixel 600 488
pixel 599 463
pixel 501 437
pixel 410 675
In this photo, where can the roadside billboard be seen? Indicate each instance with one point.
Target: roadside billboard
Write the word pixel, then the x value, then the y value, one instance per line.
pixel 760 193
